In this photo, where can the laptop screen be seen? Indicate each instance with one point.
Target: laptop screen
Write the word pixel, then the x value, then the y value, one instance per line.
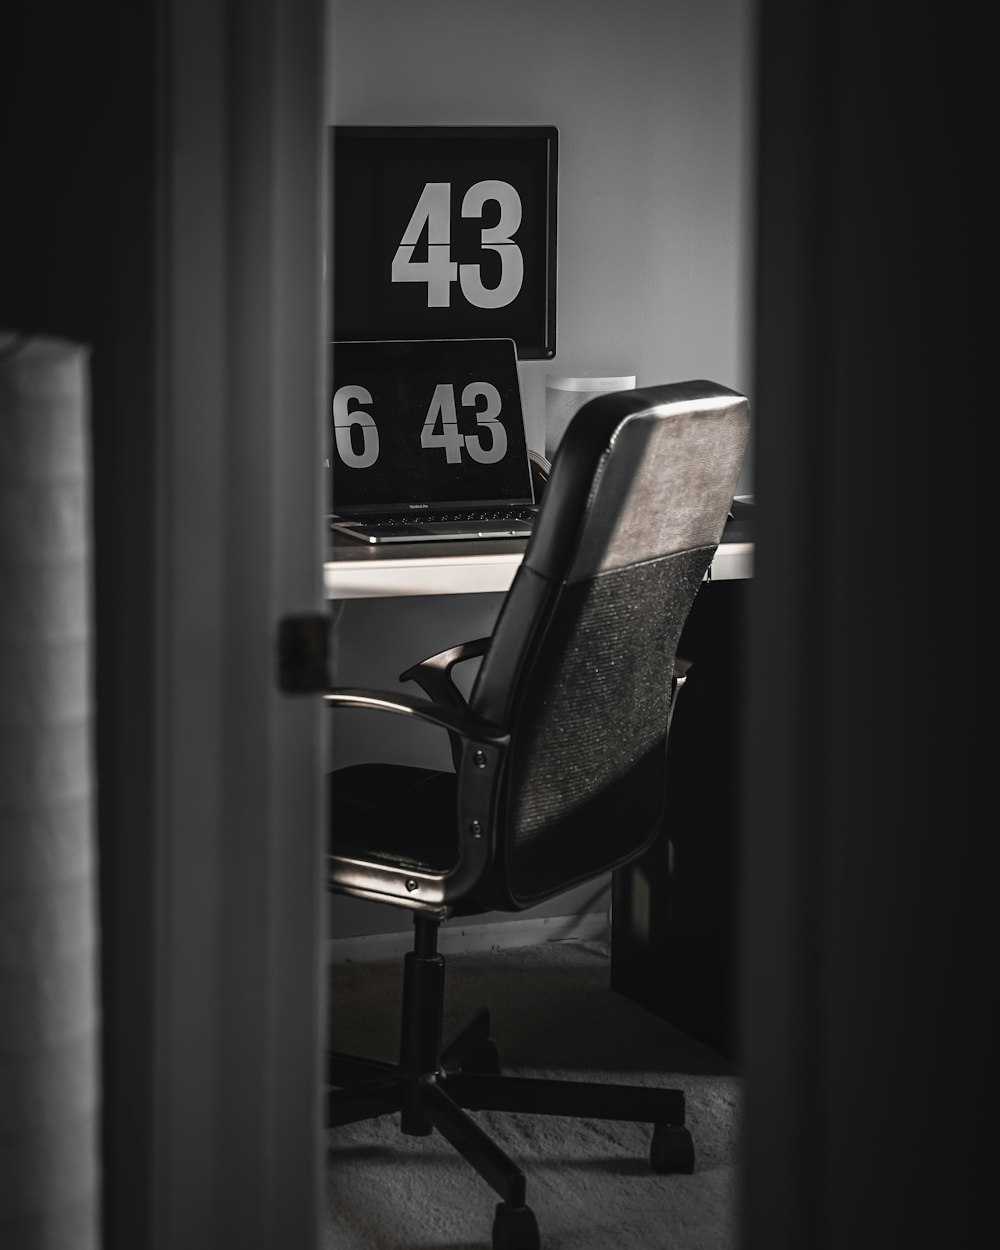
pixel 428 424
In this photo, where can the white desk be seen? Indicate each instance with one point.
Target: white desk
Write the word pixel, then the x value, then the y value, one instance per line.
pixel 355 570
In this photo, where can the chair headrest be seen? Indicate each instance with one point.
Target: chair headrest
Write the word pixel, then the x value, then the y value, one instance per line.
pixel 652 471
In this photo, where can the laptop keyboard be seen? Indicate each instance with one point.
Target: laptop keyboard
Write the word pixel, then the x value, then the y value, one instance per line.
pixel 526 513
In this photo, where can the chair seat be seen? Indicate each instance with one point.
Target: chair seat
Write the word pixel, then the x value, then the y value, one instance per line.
pixel 394 814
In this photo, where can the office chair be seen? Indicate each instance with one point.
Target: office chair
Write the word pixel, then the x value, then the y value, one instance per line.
pixel 559 759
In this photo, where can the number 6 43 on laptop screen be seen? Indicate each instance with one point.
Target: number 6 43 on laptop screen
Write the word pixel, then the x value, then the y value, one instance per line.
pixel 426 426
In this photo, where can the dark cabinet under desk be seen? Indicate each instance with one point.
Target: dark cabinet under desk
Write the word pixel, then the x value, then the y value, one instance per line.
pixel 674 910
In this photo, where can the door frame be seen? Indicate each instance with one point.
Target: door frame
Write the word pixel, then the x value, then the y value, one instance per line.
pixel 212 803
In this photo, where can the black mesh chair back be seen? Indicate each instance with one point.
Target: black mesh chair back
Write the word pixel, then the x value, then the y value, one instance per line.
pixel 581 664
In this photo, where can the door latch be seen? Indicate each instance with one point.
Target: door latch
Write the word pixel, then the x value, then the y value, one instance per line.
pixel 304 654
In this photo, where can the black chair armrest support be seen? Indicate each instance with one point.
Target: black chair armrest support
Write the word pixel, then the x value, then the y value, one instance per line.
pixel 433 675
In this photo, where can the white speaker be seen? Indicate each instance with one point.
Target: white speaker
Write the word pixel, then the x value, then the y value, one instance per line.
pixel 564 397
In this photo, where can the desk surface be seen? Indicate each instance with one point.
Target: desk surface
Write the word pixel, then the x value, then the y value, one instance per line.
pixel 356 570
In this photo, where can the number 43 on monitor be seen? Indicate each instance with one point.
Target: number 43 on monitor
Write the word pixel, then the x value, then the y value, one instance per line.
pixel 445 232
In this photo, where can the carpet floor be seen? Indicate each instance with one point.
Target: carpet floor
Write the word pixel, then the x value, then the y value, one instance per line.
pixel 589 1181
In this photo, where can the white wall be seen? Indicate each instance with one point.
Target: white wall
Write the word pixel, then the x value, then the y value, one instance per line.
pixel 652 99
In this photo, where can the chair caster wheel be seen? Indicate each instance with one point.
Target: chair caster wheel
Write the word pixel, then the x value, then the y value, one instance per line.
pixel 672 1149
pixel 484 1061
pixel 515 1228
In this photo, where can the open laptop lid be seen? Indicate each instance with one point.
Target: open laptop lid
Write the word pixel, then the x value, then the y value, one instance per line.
pixel 426 425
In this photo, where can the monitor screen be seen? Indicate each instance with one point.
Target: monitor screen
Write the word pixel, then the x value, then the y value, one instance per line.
pixel 445 232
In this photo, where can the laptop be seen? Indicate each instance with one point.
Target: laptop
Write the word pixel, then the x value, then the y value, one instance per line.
pixel 428 441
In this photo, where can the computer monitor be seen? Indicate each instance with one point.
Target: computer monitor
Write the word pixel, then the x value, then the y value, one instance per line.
pixel 445 232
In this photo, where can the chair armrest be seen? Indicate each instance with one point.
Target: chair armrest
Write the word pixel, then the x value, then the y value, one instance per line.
pixel 433 675
pixel 479 748
pixel 456 720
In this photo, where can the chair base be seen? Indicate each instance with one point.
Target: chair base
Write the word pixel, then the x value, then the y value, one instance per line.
pixel 436 1084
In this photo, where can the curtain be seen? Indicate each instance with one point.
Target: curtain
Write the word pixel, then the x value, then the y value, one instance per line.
pixel 49 999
